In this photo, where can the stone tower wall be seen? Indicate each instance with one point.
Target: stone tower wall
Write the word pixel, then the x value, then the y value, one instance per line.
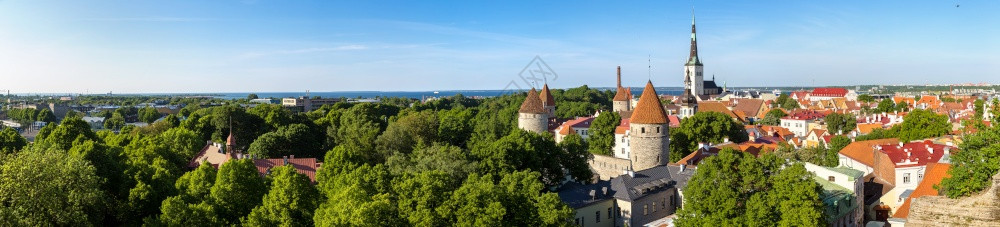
pixel 531 122
pixel 649 144
pixel 619 106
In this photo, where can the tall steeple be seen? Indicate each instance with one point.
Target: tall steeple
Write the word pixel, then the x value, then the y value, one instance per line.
pixel 693 57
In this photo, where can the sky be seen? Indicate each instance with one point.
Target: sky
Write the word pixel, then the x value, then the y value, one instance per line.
pixel 274 46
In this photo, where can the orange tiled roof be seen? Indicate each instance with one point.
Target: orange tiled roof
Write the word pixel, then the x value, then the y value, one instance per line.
pixel 532 104
pixel 714 106
pixel 934 174
pixel 546 96
pixel 865 128
pixel 862 150
pixel 750 107
pixel 649 110
pixel 621 94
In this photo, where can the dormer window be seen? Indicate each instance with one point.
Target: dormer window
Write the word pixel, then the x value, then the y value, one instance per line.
pixel 830 178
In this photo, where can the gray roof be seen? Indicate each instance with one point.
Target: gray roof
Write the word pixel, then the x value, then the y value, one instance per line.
pixel 577 195
pixel 680 177
pixel 644 182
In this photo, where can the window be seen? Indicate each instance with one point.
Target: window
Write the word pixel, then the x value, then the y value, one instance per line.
pixel 598 216
pixel 673 201
pixel 623 150
pixel 654 207
pixel 663 204
pixel 657 129
pixel 620 211
pixel 609 213
pixel 645 210
pixel 906 178
pixel 643 130
pixel 920 176
pixel 577 221
pixel 830 178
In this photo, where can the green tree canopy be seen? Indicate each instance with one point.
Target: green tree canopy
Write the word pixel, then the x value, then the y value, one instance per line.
pixel 11 141
pixel 45 115
pixel 237 190
pixel 972 166
pixel 735 188
pixel 837 123
pixel 148 114
pixel 290 202
pixel 602 133
pixel 48 188
pixel 773 117
pixel 704 127
pixel 922 124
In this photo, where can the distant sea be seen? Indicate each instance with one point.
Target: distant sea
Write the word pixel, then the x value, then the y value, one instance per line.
pixel 636 91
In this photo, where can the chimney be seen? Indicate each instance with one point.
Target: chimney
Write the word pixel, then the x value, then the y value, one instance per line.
pixel 900 144
pixel 291 156
pixel 682 168
pixel 619 76
pixel 285 158
pixel 593 195
pixel 725 140
pixel 605 190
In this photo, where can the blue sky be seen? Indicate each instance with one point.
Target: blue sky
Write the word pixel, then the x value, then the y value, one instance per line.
pixel 259 46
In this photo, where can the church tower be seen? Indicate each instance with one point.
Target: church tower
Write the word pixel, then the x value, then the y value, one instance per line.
pixel 693 67
pixel 532 116
pixel 622 102
pixel 548 102
pixel 649 136
pixel 689 106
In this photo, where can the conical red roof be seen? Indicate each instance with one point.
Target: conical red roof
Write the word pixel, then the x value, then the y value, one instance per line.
pixel 532 104
pixel 649 110
pixel 546 96
pixel 621 95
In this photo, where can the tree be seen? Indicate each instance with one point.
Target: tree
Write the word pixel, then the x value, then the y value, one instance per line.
pixel 515 200
pixel 182 142
pixel 773 117
pixel 866 98
pixel 238 189
pixel 791 104
pixel 295 139
pixel 886 105
pixel 602 133
pixel 177 212
pixel 422 193
pixel 837 123
pixel 921 124
pixel 116 122
pixel 290 202
pixel 11 141
pixel 45 115
pixel 411 130
pixel 48 188
pixel 704 127
pixel 837 143
pixel 735 188
pixel 448 159
pixel 69 131
pixel 454 126
pixel 575 157
pixel 522 150
pixel 148 115
pixel 973 166
pixel 252 96
pixel 172 120
pixel 979 107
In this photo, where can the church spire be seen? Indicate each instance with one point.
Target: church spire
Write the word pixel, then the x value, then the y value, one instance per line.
pixel 693 57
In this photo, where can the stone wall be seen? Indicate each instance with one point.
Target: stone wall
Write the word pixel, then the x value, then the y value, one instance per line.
pixel 619 106
pixel 537 123
pixel 608 167
pixel 977 210
pixel 649 145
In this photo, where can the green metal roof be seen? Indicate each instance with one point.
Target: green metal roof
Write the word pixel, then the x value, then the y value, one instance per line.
pixel 839 201
pixel 853 173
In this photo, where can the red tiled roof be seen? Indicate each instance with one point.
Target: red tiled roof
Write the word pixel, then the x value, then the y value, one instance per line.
pixel 917 153
pixel 829 92
pixel 306 166
pixel 674 121
pixel 622 127
pixel 649 110
pixel 546 96
pixel 580 122
pixel 932 176
pixel 805 115
pixel 532 104
pixel 862 150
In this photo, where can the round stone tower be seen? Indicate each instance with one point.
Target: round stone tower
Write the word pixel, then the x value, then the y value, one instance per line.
pixel 623 97
pixel 649 136
pixel 532 116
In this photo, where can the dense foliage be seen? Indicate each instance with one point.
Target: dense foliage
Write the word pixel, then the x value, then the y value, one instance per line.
pixel 602 133
pixel 977 160
pixel 737 189
pixel 773 117
pixel 704 127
